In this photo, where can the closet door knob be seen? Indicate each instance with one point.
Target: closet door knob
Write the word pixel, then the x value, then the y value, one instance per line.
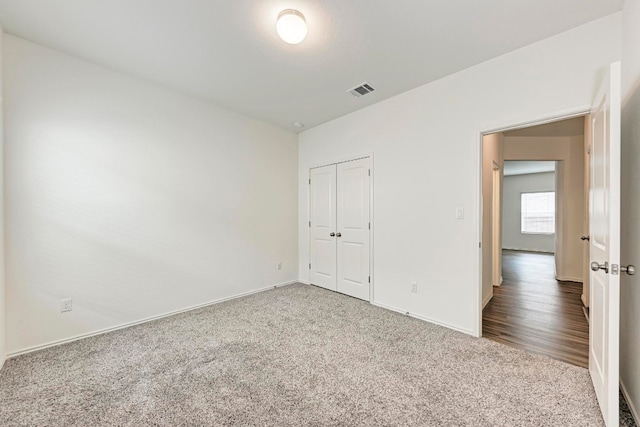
pixel 332 234
pixel 339 234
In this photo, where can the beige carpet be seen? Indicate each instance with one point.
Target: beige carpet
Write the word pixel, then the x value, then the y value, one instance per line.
pixel 293 356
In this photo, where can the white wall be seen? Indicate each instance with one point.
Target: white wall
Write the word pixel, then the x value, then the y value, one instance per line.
pixel 133 200
pixel 570 204
pixel 630 224
pixel 514 186
pixel 3 343
pixel 492 156
pixel 427 158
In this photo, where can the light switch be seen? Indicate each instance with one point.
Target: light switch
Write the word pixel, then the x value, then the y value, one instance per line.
pixel 459 213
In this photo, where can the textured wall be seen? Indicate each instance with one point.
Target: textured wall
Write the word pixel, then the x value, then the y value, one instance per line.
pixel 426 145
pixel 630 221
pixel 133 200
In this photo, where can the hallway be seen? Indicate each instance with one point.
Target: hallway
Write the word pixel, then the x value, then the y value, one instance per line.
pixel 535 312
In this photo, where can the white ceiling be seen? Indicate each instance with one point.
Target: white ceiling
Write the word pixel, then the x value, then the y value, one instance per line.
pixel 227 51
pixel 512 167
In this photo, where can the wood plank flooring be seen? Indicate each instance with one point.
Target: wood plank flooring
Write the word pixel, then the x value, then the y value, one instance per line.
pixel 535 312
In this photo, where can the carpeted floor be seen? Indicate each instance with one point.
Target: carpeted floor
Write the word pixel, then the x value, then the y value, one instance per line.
pixel 294 356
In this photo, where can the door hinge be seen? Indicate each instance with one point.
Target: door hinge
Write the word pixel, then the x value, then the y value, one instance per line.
pixel 369 226
pixel 480 245
pixel 309 266
pixel 309 223
pixel 369 172
pixel 309 181
pixel 369 279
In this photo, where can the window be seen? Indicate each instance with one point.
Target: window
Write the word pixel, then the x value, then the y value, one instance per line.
pixel 538 214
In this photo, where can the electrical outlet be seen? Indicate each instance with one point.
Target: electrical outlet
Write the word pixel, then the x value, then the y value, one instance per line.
pixel 279 266
pixel 66 305
pixel 414 287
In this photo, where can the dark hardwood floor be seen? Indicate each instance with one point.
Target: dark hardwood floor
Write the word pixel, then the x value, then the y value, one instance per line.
pixel 535 312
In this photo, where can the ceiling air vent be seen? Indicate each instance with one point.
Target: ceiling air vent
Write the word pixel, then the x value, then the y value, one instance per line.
pixel 361 90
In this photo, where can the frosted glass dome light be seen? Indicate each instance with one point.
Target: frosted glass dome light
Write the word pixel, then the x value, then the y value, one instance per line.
pixel 291 26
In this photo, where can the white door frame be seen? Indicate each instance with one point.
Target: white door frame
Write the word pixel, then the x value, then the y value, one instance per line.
pixel 496 226
pixel 371 214
pixel 489 129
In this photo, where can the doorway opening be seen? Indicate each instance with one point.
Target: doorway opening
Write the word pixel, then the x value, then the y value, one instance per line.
pixel 535 210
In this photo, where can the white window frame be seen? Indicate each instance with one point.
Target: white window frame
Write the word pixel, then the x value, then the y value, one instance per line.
pixel 555 211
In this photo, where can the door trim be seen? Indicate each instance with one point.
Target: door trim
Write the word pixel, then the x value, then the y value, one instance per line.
pixel 371 213
pixel 493 128
pixel 496 225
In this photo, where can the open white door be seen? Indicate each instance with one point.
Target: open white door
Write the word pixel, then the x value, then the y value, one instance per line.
pixel 604 229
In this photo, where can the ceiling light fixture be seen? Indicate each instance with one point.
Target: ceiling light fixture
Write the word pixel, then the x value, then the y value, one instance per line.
pixel 291 26
pixel 298 125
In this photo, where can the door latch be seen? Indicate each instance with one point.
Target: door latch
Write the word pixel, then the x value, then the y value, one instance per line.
pixel 629 269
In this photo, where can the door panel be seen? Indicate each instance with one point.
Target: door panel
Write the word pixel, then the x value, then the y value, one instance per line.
pixel 351 266
pixel 604 247
pixel 353 225
pixel 323 258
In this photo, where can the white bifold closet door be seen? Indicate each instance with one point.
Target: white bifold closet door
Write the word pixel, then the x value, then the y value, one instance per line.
pixel 340 227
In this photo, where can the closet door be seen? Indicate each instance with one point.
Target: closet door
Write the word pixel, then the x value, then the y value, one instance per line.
pixel 323 227
pixel 352 233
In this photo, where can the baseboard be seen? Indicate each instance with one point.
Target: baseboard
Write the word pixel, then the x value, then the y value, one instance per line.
pixel 487 299
pixel 426 319
pixel 139 322
pixel 2 360
pixel 542 251
pixel 304 282
pixel 569 279
pixel 584 300
pixel 634 412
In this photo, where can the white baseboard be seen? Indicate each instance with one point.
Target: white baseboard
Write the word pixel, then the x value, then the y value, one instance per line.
pixel 487 299
pixel 139 322
pixel 304 282
pixel 634 411
pixel 2 360
pixel 542 251
pixel 426 319
pixel 584 300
